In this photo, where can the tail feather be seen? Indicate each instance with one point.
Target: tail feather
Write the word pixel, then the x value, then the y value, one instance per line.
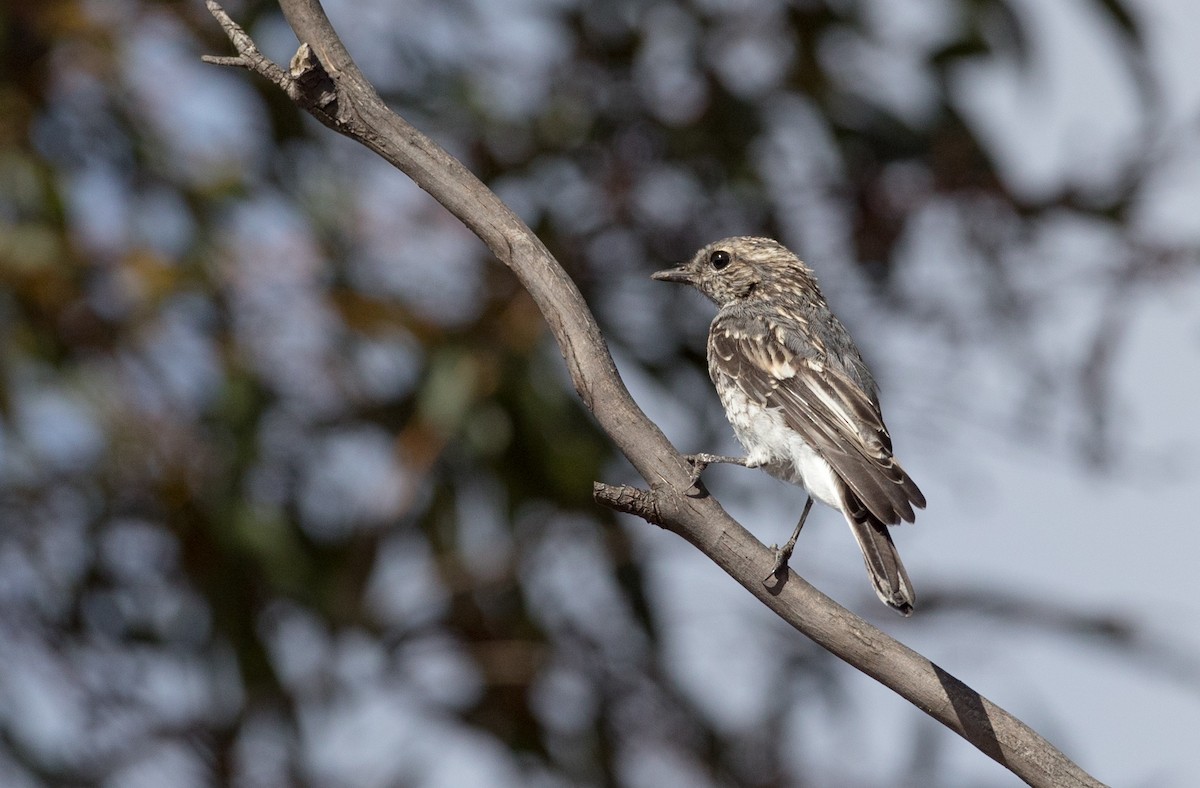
pixel 883 562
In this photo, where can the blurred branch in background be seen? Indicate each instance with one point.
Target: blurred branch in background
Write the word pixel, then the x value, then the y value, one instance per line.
pixel 293 489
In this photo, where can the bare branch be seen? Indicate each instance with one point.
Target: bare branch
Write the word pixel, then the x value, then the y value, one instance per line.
pixel 238 61
pixel 324 80
pixel 629 500
pixel 248 56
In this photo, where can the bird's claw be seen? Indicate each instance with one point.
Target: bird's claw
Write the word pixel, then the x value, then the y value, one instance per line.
pixel 782 556
pixel 703 460
pixel 699 463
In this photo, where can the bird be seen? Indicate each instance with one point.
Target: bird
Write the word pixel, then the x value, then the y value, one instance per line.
pixel 801 399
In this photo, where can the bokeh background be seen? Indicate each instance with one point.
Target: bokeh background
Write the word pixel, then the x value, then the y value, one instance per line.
pixel 293 488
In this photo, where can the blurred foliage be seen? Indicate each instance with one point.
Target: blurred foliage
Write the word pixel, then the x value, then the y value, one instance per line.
pixel 285 457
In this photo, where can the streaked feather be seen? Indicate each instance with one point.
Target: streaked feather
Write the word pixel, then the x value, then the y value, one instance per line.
pixel 832 414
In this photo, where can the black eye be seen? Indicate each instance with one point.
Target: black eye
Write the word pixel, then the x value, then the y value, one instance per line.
pixel 719 259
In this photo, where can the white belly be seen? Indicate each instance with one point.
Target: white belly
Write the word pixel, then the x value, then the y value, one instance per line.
pixel 779 450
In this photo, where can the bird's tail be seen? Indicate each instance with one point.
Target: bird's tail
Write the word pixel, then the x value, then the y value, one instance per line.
pixel 883 562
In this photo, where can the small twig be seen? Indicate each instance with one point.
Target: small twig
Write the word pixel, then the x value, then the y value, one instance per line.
pixel 630 500
pixel 248 56
pixel 220 60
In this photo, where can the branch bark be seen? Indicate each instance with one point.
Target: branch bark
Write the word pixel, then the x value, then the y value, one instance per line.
pixel 323 79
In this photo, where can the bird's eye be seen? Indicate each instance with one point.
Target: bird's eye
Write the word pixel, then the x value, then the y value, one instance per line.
pixel 719 259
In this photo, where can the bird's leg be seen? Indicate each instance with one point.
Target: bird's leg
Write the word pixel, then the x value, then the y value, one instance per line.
pixel 701 461
pixel 783 554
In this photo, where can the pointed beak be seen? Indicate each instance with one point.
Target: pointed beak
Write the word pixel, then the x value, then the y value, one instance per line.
pixel 679 274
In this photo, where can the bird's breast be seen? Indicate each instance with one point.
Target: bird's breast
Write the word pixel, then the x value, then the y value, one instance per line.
pixel 777 448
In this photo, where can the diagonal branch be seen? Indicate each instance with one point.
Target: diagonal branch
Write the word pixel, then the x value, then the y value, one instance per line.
pixel 323 79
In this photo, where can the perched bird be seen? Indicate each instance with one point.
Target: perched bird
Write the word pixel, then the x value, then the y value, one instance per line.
pixel 801 399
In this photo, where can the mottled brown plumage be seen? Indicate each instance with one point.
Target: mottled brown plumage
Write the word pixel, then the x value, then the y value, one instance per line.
pixel 800 397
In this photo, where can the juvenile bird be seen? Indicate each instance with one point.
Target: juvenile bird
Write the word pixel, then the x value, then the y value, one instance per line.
pixel 801 399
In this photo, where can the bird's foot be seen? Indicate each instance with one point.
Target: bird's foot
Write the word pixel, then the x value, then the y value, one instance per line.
pixel 784 554
pixel 703 460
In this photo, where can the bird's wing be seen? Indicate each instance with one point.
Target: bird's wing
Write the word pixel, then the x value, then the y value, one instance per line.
pixel 839 420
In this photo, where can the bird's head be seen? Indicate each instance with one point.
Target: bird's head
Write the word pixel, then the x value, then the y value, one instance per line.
pixel 744 268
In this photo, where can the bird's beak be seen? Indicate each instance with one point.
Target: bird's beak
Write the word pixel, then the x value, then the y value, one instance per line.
pixel 679 274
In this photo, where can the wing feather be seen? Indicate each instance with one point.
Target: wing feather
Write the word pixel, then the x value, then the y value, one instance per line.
pixel 830 412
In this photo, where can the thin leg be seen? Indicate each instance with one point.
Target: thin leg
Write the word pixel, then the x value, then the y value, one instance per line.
pixel 701 461
pixel 783 554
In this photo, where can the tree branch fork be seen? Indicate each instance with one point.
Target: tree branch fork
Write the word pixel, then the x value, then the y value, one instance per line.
pixel 323 79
